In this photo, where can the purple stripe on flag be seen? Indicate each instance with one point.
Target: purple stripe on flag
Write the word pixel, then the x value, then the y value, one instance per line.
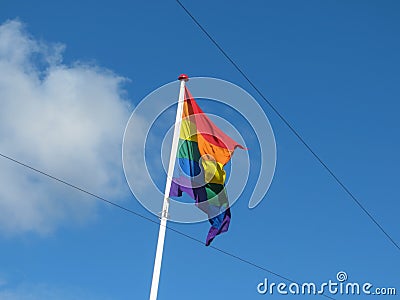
pixel 218 216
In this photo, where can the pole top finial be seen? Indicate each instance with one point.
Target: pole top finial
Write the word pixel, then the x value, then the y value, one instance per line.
pixel 183 77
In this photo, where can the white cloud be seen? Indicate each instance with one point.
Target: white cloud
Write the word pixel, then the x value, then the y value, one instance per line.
pixel 46 292
pixel 65 120
pixel 3 282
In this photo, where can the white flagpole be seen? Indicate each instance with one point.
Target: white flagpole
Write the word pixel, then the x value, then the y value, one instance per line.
pixel 164 213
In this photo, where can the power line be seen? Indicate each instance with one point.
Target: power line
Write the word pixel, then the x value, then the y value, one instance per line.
pixel 238 258
pixel 286 122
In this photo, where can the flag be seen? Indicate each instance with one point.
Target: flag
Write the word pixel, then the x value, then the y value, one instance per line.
pixel 203 151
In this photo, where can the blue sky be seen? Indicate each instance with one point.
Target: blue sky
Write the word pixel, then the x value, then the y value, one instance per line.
pixel 330 67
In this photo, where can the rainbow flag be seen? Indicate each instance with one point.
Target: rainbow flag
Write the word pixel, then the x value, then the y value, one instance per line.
pixel 203 151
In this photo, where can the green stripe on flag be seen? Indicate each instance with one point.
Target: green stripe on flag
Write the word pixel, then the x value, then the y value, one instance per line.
pixel 188 149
